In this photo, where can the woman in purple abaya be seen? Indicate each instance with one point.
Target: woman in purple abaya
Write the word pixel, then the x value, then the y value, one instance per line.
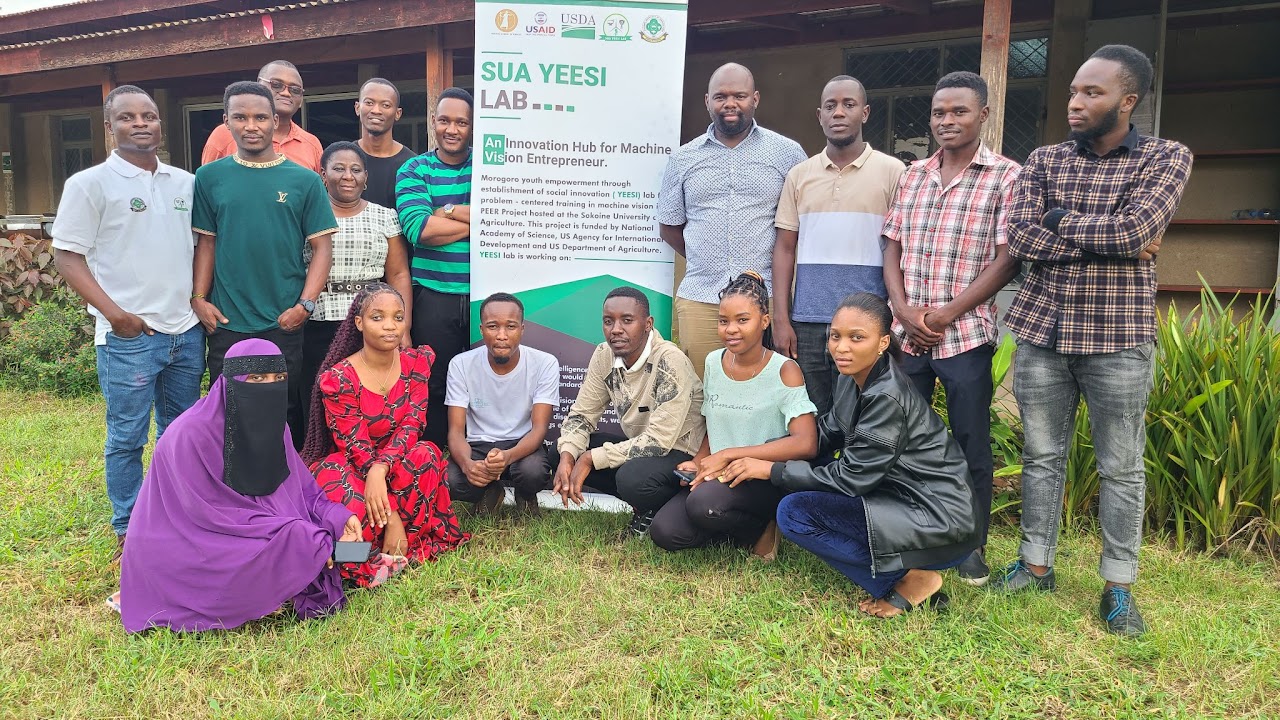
pixel 230 524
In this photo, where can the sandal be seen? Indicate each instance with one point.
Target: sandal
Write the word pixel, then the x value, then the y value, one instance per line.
pixel 113 601
pixel 386 567
pixel 937 601
pixel 766 547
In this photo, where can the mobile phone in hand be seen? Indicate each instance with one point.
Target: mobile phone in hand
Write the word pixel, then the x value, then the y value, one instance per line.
pixel 351 552
pixel 685 477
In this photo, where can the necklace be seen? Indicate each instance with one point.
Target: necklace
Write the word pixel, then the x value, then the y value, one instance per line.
pixel 386 379
pixel 733 366
pixel 251 164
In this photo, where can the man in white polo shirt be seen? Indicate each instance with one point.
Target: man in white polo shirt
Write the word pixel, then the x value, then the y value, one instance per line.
pixel 500 398
pixel 122 240
pixel 829 218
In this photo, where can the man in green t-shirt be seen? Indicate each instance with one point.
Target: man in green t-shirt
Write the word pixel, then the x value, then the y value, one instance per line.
pixel 253 213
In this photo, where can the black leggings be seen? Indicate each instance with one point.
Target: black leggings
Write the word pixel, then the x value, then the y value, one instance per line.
pixel 712 511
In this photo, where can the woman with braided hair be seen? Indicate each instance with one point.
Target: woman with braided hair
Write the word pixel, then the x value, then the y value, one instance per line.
pixel 755 404
pixel 364 442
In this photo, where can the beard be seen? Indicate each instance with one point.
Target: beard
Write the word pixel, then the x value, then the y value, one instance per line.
pixel 732 129
pixel 1106 124
pixel 843 142
pixel 501 359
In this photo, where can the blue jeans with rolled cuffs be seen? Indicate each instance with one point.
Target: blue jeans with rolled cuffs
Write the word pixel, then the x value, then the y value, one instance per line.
pixel 1048 386
pixel 149 374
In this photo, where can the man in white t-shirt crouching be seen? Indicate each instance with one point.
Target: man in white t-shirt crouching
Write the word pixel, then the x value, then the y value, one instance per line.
pixel 500 399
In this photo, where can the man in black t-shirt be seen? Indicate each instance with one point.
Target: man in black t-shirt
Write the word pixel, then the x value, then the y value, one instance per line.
pixel 378 109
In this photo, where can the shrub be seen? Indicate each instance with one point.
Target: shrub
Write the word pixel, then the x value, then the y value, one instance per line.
pixel 1213 432
pixel 26 277
pixel 51 348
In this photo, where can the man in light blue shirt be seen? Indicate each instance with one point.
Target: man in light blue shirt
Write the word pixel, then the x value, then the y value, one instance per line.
pixel 718 202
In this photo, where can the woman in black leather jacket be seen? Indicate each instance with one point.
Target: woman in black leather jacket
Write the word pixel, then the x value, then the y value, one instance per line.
pixel 895 506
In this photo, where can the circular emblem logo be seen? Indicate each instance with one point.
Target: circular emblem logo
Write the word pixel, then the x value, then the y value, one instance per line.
pixel 137 205
pixel 616 27
pixel 506 20
pixel 540 18
pixel 654 30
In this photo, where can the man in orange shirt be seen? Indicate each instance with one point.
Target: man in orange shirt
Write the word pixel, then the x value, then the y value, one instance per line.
pixel 290 140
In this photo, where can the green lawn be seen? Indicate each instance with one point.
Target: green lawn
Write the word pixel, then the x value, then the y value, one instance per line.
pixel 553 619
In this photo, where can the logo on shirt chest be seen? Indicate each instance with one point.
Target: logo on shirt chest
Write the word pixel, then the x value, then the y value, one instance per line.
pixel 137 205
pixel 180 204
pixel 282 196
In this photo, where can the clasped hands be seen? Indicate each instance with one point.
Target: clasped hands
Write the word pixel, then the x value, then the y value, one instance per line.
pixel 725 467
pixel 487 469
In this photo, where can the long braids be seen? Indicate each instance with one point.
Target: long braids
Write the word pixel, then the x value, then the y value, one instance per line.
pixel 750 284
pixel 347 341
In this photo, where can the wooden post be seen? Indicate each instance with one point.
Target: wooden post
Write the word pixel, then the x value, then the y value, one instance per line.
pixel 108 84
pixel 439 76
pixel 1066 53
pixel 995 67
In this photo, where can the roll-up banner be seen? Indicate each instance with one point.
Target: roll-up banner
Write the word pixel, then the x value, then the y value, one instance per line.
pixel 577 109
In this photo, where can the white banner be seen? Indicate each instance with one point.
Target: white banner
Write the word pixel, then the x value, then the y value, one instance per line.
pixel 577 109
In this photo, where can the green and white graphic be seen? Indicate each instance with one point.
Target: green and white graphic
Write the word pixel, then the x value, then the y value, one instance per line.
pixel 572 138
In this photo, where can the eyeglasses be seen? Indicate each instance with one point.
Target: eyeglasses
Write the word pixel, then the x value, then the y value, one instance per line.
pixel 278 86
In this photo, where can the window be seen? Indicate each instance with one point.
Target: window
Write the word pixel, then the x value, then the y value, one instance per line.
pixel 75 143
pixel 900 80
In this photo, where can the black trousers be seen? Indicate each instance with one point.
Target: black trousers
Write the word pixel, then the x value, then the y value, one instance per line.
pixel 290 343
pixel 528 475
pixel 647 483
pixel 713 511
pixel 316 339
pixel 967 379
pixel 442 321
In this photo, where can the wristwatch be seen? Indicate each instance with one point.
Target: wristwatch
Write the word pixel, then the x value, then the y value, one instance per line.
pixel 448 210
pixel 308 305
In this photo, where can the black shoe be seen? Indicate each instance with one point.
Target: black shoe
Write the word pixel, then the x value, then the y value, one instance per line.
pixel 974 570
pixel 527 506
pixel 1018 577
pixel 639 525
pixel 1119 611
pixel 494 495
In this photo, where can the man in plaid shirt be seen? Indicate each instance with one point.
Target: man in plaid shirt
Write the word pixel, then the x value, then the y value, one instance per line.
pixel 1088 217
pixel 945 258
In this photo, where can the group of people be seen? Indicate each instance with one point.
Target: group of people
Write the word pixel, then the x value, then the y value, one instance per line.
pixel 327 291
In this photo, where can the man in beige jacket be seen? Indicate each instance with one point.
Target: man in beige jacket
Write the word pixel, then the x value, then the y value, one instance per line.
pixel 658 398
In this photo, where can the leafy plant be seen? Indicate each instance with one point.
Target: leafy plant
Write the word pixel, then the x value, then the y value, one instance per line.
pixel 27 276
pixel 51 348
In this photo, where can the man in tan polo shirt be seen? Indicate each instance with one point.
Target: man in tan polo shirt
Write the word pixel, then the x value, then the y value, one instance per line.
pixel 829 219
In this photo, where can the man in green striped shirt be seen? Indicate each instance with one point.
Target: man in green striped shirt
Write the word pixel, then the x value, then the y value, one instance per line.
pixel 433 200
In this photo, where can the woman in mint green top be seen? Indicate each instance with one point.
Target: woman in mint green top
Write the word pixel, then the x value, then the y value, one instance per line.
pixel 756 406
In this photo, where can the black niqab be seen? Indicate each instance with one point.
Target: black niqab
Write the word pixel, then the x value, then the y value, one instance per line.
pixel 253 452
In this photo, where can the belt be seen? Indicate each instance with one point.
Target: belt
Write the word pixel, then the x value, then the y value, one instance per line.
pixel 337 287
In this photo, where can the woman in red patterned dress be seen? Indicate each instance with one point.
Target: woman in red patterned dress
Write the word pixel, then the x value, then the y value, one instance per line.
pixel 368 411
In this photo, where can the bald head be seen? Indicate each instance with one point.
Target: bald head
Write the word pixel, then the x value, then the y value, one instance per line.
pixel 732 72
pixel 731 101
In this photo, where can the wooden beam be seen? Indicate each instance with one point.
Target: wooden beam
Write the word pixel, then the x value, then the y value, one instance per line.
pixel 1066 53
pixel 709 11
pixel 435 77
pixel 912 7
pixel 995 67
pixel 304 23
pixel 789 23
pixel 108 81
pixel 848 30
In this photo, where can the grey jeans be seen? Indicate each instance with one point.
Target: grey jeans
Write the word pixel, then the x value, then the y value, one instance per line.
pixel 1048 386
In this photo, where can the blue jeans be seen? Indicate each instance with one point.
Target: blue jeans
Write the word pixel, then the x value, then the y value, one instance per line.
pixel 1048 386
pixel 834 527
pixel 136 375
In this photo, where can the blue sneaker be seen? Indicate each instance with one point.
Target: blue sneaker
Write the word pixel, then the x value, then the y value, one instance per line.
pixel 1017 577
pixel 1120 612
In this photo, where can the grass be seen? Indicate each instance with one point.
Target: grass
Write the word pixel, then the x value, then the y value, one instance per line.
pixel 552 619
